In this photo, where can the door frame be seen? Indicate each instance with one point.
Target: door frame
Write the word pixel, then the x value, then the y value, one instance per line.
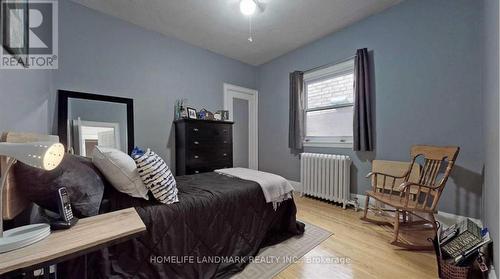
pixel 251 95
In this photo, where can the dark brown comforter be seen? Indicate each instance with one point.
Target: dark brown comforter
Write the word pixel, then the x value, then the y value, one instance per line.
pixel 216 216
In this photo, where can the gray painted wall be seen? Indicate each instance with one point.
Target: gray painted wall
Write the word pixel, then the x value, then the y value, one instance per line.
pixel 25 101
pixel 240 133
pixel 427 82
pixel 103 55
pixel 491 124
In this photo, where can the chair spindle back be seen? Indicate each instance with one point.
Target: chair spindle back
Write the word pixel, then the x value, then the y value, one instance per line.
pixel 435 160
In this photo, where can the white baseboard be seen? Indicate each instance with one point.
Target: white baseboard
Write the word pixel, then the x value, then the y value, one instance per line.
pixel 445 218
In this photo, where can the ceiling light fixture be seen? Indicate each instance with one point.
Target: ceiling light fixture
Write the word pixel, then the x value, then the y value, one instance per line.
pixel 250 37
pixel 248 7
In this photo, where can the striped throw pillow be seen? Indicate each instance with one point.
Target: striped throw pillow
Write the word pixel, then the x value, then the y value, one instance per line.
pixel 156 175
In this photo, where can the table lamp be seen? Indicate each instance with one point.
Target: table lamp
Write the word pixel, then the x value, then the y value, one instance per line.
pixel 43 155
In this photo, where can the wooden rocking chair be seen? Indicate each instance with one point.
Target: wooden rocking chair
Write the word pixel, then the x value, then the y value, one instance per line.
pixel 413 198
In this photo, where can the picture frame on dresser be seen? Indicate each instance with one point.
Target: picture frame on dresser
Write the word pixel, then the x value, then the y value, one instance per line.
pixel 191 113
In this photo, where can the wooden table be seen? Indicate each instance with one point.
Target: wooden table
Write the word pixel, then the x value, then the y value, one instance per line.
pixel 88 235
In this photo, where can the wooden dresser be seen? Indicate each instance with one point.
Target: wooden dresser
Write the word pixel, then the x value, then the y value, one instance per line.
pixel 202 145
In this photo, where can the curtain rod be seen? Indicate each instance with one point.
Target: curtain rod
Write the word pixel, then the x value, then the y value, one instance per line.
pixel 329 64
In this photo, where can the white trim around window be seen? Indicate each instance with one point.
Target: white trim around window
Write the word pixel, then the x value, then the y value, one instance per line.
pixel 345 66
pixel 317 76
pixel 335 142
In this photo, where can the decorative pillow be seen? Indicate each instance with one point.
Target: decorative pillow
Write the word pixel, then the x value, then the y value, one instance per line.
pixel 156 175
pixel 120 170
pixel 83 181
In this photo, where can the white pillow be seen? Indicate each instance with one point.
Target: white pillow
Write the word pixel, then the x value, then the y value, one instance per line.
pixel 120 170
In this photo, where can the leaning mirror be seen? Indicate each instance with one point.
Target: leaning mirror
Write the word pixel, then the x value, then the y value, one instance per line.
pixel 89 120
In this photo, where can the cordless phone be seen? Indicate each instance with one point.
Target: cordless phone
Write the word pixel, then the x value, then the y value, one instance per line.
pixel 65 205
pixel 67 219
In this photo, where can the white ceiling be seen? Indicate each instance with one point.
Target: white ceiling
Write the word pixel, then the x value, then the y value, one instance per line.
pixel 218 25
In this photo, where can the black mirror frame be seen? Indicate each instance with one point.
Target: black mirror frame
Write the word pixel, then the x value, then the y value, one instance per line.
pixel 62 113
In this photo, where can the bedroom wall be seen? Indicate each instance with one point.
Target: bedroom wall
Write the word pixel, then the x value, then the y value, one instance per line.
pixel 427 61
pixel 491 121
pixel 104 55
pixel 24 105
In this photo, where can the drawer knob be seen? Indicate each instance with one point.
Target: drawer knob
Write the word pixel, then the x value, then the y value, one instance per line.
pixel 196 171
pixel 225 141
pixel 225 154
pixel 196 143
pixel 195 129
pixel 196 156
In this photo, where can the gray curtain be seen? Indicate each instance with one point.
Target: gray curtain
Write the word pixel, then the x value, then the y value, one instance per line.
pixel 363 128
pixel 296 121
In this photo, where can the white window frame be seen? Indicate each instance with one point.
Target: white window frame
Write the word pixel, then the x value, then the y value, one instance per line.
pixel 331 71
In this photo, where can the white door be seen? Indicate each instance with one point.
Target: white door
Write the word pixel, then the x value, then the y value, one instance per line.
pixel 242 104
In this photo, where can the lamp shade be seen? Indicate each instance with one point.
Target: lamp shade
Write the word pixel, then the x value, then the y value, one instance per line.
pixel 42 155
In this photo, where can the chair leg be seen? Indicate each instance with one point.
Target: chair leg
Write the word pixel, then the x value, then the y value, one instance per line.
pixel 367 202
pixel 366 219
pixel 396 227
pixel 434 225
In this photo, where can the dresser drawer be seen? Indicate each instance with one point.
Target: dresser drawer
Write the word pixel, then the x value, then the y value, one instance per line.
pixel 198 145
pixel 195 169
pixel 209 156
pixel 209 131
pixel 202 146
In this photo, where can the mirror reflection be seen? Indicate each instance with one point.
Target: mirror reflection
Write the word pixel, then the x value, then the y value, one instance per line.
pixel 97 123
pixel 93 122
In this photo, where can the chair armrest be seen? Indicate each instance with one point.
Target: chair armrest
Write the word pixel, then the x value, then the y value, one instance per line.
pixel 384 174
pixel 406 186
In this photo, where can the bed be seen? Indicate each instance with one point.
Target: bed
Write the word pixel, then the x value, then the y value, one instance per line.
pixel 216 216
pixel 215 229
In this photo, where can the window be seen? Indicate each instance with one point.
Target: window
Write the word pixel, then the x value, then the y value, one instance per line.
pixel 329 105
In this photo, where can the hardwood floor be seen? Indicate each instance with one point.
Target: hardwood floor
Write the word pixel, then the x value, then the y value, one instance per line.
pixel 366 247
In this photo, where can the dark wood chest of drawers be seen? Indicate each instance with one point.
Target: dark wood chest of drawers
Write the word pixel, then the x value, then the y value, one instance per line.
pixel 202 145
